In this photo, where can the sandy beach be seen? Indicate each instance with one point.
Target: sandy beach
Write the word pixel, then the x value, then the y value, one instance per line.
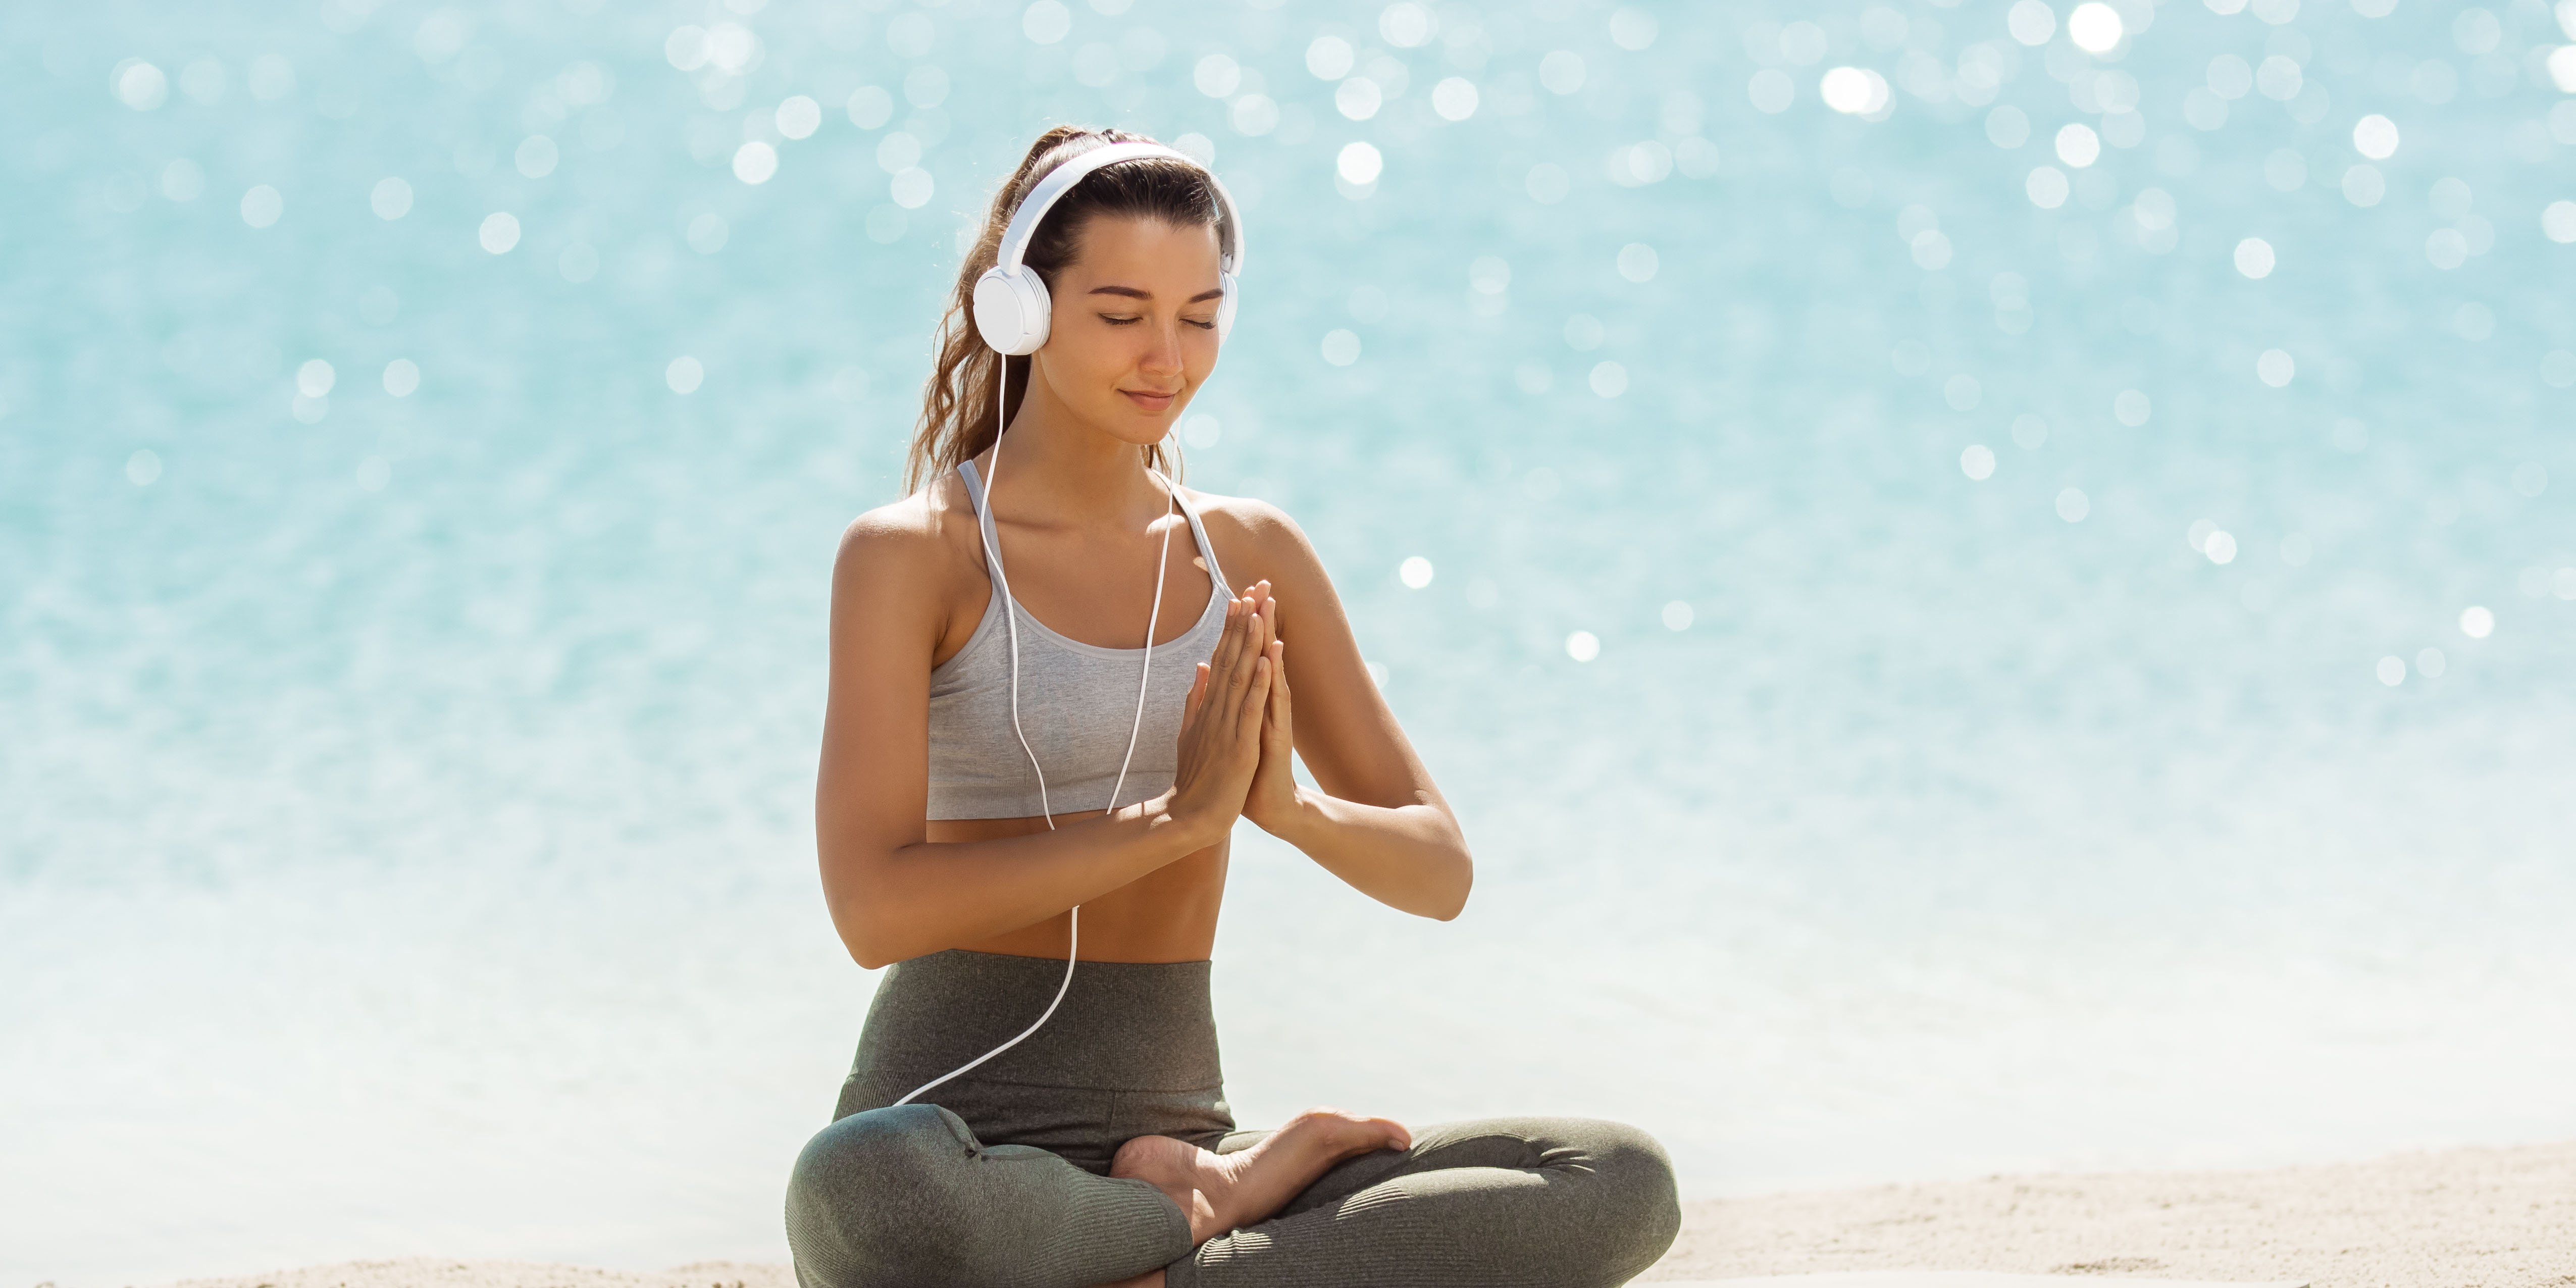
pixel 2496 1218
pixel 2492 1218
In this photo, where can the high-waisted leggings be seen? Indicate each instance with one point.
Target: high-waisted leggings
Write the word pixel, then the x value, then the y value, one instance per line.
pixel 999 1177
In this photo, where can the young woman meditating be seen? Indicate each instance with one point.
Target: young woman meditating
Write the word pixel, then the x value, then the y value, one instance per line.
pixel 1004 752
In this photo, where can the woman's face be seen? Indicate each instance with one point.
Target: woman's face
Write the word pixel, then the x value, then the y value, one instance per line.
pixel 1132 331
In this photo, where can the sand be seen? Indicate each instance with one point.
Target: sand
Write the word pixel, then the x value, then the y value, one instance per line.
pixel 2489 1218
pixel 2467 1218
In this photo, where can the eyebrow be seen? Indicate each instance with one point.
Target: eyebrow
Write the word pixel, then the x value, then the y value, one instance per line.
pixel 1135 294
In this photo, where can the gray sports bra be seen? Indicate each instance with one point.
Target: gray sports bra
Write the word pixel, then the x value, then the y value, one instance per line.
pixel 1077 703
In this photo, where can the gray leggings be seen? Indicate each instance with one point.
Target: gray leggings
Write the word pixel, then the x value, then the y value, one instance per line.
pixel 1000 1176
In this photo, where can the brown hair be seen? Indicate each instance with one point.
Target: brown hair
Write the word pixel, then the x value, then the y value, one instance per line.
pixel 957 405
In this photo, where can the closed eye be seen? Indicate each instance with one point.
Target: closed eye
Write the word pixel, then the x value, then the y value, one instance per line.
pixel 1209 325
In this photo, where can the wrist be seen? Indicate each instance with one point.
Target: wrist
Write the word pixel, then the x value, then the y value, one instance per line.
pixel 1195 830
pixel 1295 819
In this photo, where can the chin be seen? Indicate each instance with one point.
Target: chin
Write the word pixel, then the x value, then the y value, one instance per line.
pixel 1142 428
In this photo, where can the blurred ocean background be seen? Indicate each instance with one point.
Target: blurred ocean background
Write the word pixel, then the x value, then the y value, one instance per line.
pixel 1993 583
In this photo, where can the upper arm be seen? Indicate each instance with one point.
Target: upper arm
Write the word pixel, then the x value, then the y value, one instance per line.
pixel 1344 730
pixel 872 787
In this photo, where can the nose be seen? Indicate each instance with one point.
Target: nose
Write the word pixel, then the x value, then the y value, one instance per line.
pixel 1163 356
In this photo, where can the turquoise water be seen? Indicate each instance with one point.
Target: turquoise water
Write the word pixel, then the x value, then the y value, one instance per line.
pixel 1961 642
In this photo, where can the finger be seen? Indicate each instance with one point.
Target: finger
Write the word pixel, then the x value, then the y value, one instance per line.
pixel 1279 682
pixel 1274 712
pixel 1198 693
pixel 1247 650
pixel 1254 694
pixel 1229 646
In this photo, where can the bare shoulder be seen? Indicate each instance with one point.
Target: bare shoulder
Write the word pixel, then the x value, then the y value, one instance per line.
pixel 1256 527
pixel 906 546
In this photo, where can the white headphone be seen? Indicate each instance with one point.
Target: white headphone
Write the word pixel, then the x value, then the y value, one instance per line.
pixel 1012 312
pixel 1012 315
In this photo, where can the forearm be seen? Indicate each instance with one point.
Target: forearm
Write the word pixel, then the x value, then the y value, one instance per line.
pixel 1409 857
pixel 925 897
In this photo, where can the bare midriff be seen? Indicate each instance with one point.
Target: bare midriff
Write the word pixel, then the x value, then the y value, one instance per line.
pixel 1167 915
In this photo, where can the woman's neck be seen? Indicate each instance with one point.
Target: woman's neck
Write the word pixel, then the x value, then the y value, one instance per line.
pixel 1071 472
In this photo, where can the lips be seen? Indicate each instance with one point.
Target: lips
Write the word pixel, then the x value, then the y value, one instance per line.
pixel 1151 402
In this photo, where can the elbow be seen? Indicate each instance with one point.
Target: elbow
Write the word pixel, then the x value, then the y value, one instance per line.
pixel 864 911
pixel 864 938
pixel 1457 901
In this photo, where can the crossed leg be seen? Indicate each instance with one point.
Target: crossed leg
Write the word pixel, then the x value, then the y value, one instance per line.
pixel 1519 1202
pixel 906 1197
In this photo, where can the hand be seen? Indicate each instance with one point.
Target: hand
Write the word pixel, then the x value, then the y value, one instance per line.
pixel 1220 744
pixel 1271 801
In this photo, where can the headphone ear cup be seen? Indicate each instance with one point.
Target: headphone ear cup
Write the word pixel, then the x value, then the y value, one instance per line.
pixel 1225 305
pixel 1012 312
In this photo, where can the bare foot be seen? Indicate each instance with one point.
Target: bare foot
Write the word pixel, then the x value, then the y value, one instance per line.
pixel 1221 1192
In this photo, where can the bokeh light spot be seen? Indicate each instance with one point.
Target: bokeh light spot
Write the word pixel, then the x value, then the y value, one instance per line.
pixel 1046 22
pixel 2078 145
pixel 261 206
pixel 2094 27
pixel 799 116
pixel 139 85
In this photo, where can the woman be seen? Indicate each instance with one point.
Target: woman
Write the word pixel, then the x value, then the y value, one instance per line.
pixel 968 746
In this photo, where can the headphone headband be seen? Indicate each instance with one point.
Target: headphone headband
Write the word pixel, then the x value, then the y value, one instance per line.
pixel 1024 221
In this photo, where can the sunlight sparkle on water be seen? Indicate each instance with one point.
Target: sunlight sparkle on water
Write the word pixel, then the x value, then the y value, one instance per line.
pixel 261 206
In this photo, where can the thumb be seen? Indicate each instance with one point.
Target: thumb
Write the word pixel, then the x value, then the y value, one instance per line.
pixel 1198 691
